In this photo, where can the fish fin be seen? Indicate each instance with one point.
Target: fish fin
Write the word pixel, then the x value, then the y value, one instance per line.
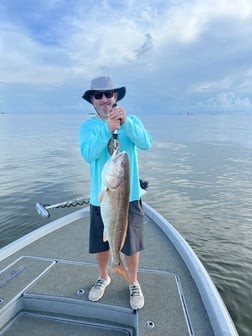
pixel 104 237
pixel 120 269
pixel 101 197
pixel 102 194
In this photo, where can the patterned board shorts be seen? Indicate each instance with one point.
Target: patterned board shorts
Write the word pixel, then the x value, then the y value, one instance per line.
pixel 134 238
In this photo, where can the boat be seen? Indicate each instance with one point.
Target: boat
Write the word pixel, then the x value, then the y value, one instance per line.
pixel 46 275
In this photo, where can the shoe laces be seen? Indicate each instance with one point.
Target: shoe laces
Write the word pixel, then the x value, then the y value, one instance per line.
pixel 99 283
pixel 135 290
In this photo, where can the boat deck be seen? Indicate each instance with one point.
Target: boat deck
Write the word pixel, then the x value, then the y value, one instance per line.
pixel 44 289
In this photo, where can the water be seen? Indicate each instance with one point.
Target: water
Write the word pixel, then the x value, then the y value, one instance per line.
pixel 200 175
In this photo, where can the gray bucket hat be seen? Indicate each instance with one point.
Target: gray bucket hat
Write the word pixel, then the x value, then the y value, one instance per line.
pixel 103 84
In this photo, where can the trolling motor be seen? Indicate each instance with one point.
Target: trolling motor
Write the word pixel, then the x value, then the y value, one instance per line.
pixel 42 210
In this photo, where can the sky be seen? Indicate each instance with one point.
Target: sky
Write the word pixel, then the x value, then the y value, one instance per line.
pixel 173 56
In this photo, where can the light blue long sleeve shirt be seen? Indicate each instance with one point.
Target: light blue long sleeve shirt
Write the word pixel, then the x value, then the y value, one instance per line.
pixel 94 136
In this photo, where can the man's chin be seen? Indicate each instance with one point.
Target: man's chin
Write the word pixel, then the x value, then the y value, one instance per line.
pixel 102 113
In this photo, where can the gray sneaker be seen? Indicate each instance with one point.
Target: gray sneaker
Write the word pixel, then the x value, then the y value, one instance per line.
pixel 136 296
pixel 97 291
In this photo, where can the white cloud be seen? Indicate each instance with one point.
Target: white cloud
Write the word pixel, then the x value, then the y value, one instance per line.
pixel 178 47
pixel 102 34
pixel 222 84
pixel 228 100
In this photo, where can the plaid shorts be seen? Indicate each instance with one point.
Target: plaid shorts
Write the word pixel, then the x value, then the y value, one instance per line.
pixel 134 238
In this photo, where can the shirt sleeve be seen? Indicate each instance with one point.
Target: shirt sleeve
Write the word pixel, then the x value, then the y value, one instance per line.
pixel 135 130
pixel 93 139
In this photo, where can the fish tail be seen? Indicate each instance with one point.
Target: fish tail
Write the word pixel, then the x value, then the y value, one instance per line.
pixel 120 269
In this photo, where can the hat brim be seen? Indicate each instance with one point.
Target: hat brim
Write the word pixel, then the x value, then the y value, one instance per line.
pixel 121 92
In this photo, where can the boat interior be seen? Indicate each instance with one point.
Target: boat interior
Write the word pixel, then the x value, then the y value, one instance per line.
pixel 45 278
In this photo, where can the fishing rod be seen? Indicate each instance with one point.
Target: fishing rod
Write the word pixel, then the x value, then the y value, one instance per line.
pixel 42 210
pixel 116 143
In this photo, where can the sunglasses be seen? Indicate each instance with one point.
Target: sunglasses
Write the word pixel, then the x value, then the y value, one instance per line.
pixel 107 94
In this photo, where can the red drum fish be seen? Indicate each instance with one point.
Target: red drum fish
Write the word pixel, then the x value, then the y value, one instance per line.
pixel 114 199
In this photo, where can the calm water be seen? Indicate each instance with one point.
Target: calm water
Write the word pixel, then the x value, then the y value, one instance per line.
pixel 200 176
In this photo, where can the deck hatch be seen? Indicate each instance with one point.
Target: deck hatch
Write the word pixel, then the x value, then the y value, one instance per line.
pixel 163 313
pixel 19 276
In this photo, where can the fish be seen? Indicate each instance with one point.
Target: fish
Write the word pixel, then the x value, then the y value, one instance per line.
pixel 114 202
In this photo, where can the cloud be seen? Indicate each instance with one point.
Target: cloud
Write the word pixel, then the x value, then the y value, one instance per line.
pixel 183 50
pixel 225 101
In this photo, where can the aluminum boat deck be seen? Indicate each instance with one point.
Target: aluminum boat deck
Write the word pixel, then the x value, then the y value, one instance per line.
pixel 45 278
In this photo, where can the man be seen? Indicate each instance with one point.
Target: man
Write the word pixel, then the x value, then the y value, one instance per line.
pixel 95 135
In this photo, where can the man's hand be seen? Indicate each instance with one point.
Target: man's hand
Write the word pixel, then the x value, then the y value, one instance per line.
pixel 116 117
